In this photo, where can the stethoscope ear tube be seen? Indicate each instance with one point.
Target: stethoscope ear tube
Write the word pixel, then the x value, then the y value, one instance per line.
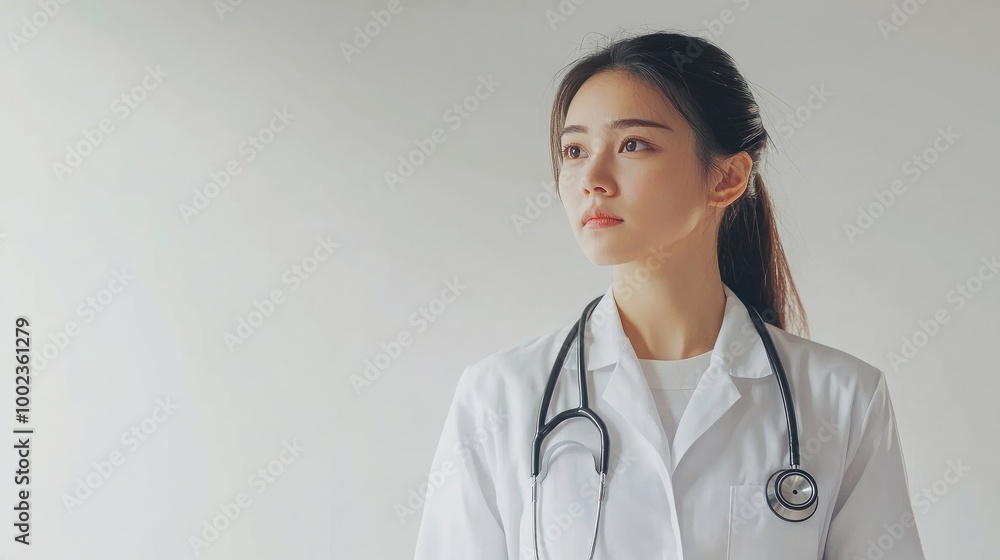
pixel 543 409
pixel 543 428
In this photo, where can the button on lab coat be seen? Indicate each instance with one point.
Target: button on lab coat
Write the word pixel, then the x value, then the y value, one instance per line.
pixel 701 498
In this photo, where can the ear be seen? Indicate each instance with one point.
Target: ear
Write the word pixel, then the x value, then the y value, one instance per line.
pixel 733 180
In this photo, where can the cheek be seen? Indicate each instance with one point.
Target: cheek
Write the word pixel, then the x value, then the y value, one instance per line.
pixel 571 207
pixel 569 195
pixel 665 204
pixel 565 200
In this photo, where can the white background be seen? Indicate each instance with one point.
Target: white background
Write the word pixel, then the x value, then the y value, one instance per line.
pixel 63 236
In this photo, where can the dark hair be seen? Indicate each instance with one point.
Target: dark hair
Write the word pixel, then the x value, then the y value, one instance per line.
pixel 705 86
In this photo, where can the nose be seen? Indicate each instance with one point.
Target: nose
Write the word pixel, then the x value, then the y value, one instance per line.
pixel 594 186
pixel 594 175
pixel 595 178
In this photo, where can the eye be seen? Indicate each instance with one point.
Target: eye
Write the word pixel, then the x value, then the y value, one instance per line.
pixel 566 151
pixel 632 141
pixel 630 145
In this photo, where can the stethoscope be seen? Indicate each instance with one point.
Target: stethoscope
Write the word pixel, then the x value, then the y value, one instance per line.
pixel 790 493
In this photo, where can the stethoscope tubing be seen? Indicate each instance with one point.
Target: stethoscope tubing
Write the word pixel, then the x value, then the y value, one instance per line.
pixel 583 410
pixel 786 394
pixel 799 482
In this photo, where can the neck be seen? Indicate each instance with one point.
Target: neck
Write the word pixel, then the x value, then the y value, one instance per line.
pixel 674 313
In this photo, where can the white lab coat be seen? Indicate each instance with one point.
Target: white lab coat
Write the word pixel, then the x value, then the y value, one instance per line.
pixel 701 498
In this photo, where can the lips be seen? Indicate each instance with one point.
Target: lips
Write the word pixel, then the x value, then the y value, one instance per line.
pixel 601 215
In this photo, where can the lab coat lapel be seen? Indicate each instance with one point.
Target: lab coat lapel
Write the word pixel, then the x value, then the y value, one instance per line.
pixel 738 352
pixel 627 391
pixel 715 394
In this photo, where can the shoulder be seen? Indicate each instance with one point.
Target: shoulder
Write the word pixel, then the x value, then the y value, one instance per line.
pixel 524 366
pixel 825 371
pixel 497 394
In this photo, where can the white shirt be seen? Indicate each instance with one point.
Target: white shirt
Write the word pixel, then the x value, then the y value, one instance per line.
pixel 672 383
pixel 700 499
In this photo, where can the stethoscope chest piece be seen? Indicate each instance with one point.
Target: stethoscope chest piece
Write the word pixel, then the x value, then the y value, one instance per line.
pixel 791 494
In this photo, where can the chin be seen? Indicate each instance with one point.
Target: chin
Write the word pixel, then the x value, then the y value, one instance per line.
pixel 608 247
pixel 607 252
pixel 606 257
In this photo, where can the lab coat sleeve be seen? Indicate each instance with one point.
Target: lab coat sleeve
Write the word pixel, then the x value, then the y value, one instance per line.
pixel 460 518
pixel 873 516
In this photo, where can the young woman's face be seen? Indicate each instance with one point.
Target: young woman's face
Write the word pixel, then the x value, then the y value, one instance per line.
pixel 646 173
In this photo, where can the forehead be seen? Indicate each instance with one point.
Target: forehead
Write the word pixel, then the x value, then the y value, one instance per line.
pixel 616 94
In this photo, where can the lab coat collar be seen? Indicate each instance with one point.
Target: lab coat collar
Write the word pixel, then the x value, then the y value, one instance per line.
pixel 738 349
pixel 738 352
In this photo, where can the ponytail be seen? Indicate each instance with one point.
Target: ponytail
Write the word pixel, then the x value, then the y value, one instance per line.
pixel 753 263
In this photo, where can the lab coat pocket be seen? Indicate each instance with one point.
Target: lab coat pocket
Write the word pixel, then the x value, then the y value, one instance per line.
pixel 755 532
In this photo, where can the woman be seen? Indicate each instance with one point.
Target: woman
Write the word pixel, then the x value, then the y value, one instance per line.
pixel 657 143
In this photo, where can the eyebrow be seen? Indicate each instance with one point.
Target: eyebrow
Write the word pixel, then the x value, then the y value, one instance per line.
pixel 620 123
